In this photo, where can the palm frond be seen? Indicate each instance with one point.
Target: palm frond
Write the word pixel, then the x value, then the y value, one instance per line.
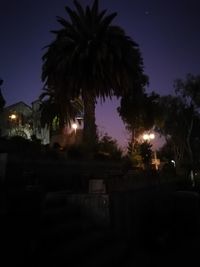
pixel 90 54
pixel 79 9
pixel 95 8
pixel 107 20
pixel 101 15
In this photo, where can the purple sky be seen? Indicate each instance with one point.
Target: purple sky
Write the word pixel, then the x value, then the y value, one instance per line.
pixel 168 33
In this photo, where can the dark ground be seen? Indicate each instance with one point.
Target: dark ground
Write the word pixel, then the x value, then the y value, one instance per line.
pixel 148 227
pixel 57 234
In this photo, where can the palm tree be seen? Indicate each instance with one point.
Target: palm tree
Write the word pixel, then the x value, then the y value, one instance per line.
pixel 57 115
pixel 91 58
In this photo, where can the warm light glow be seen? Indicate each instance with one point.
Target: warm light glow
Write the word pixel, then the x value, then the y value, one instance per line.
pixel 152 136
pixel 12 116
pixel 148 136
pixel 145 136
pixel 74 126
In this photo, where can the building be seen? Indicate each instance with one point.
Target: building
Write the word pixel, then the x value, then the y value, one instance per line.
pixel 16 120
pixel 23 120
pixel 39 132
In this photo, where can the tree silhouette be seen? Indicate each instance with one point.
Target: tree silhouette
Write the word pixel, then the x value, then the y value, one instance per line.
pixel 2 100
pixel 139 112
pixel 91 58
pixel 146 153
pixel 180 118
pixel 52 112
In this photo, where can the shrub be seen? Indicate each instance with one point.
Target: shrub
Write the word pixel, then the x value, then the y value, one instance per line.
pixel 107 148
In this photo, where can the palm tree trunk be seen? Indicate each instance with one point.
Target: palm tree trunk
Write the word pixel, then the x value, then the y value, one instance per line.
pixel 89 130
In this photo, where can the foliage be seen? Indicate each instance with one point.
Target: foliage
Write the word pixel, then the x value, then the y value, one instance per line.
pixel 2 100
pixel 145 152
pixel 76 152
pixel 91 58
pixel 35 140
pixel 107 147
pixel 189 91
pixel 134 154
pixel 174 126
pixel 166 152
pixel 195 139
pixel 56 115
pixel 22 147
pixel 139 111
pixel 170 149
pixel 141 155
pixel 180 118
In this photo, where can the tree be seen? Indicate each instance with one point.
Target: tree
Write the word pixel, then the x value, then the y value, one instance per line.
pixel 2 103
pixel 2 100
pixel 174 125
pixel 189 91
pixel 139 112
pixel 180 119
pixel 91 58
pixel 55 115
pixel 134 155
pixel 195 140
pixel 108 146
pixel 146 153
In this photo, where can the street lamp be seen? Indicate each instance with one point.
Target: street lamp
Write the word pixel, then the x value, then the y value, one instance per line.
pixel 13 117
pixel 74 126
pixel 148 137
pixel 151 135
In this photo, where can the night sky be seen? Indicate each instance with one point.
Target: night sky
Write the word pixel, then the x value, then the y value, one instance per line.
pixel 168 33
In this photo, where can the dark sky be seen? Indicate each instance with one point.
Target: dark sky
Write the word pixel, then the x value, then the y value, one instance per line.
pixel 168 33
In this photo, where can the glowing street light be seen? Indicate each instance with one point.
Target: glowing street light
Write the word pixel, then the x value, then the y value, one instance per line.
pixel 155 160
pixel 150 136
pixel 13 117
pixel 145 137
pixel 74 126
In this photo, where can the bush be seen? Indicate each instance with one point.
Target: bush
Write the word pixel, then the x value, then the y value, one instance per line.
pixel 23 147
pixel 107 148
pixel 75 152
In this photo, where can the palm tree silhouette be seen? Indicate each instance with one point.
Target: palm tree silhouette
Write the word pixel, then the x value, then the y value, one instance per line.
pixel 91 58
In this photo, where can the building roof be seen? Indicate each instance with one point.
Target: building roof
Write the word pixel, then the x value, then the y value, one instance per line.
pixel 17 104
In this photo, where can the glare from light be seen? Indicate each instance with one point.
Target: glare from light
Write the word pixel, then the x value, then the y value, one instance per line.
pixel 145 136
pixel 12 116
pixel 148 136
pixel 173 162
pixel 152 136
pixel 74 126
